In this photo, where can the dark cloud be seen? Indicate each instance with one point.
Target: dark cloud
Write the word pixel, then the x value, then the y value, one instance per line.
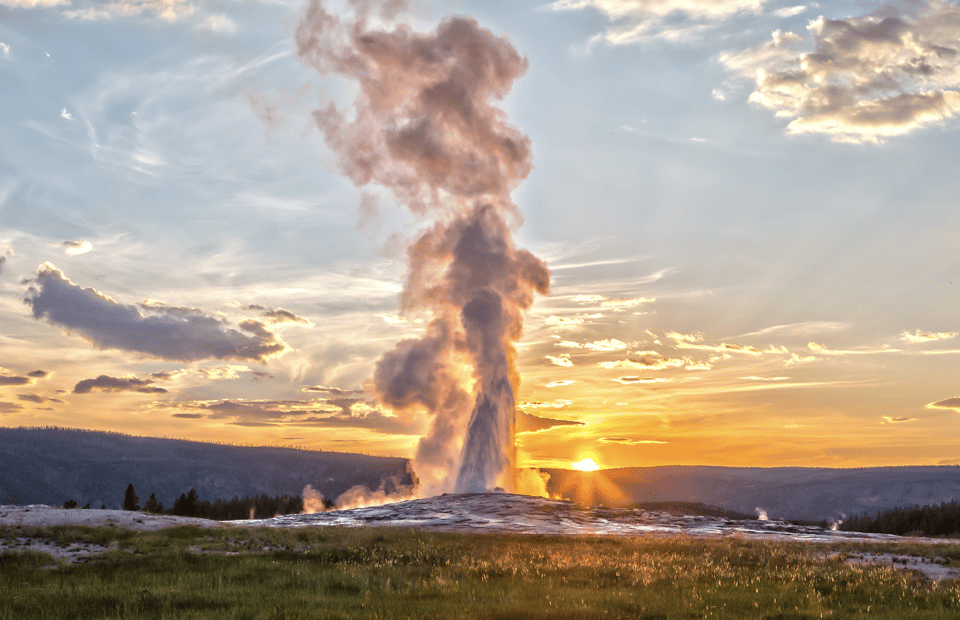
pixel 105 383
pixel 284 316
pixel 527 423
pixel 10 407
pixel 13 380
pixel 165 375
pixel 947 403
pixel 39 374
pixel 299 413
pixel 278 315
pixel 3 259
pixel 35 398
pixel 174 333
pixel 332 391
pixel 630 380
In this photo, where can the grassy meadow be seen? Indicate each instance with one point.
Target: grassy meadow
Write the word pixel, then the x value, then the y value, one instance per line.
pixel 328 573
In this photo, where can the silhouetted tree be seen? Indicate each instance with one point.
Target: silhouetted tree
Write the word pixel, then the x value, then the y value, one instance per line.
pixel 153 505
pixel 130 499
pixel 70 504
pixel 186 505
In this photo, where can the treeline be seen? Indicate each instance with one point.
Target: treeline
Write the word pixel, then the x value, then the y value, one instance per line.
pixel 190 505
pixel 942 520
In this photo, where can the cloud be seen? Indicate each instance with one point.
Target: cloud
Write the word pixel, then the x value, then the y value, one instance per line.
pixel 9 378
pixel 891 420
pixel 13 380
pixel 823 350
pixel 563 321
pixel 947 403
pixel 634 380
pixel 799 329
pixel 167 10
pixel 765 378
pixel 73 248
pixel 4 48
pixel 920 336
pixel 10 407
pixel 218 23
pixel 223 372
pixel 174 334
pixel 618 305
pixel 630 442
pixel 691 341
pixel 646 360
pixel 561 383
pixel 527 423
pixel 866 79
pixel 105 383
pixel 559 403
pixel 606 345
pixel 560 360
pixel 285 316
pixel 278 315
pixel 38 398
pixel 333 391
pixel 33 4
pixel 66 115
pixel 611 344
pixel 684 337
pixel 350 413
pixel 633 21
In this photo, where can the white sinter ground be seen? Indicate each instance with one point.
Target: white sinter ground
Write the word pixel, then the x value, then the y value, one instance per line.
pixel 482 512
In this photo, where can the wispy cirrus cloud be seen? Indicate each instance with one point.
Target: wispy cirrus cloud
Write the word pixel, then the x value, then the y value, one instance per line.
pixel 167 10
pixel 866 78
pixel 319 413
pixel 640 380
pixel 528 423
pixel 174 333
pixel 920 337
pixel 628 441
pixel 634 21
pixel 645 360
pixel 33 4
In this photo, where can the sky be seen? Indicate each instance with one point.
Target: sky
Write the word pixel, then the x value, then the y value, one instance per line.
pixel 746 207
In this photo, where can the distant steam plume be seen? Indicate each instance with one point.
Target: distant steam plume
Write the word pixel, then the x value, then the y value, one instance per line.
pixel 425 125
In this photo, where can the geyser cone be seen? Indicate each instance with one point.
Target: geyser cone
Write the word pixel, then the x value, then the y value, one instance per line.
pixel 425 126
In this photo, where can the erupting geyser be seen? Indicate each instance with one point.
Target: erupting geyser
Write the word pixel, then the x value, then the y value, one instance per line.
pixel 425 126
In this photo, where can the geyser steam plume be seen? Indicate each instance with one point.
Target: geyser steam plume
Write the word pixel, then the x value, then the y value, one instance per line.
pixel 425 125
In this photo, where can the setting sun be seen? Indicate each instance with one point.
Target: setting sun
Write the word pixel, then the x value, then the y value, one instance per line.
pixel 585 465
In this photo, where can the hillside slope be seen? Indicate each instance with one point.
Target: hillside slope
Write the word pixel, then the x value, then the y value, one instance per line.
pixel 812 493
pixel 52 465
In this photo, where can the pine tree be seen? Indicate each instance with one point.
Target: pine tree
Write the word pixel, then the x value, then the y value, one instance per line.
pixel 153 505
pixel 130 499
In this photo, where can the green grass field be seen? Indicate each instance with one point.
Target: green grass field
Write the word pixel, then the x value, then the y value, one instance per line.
pixel 190 572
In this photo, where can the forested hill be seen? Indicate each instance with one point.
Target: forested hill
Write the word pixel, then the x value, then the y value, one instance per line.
pixel 811 493
pixel 53 465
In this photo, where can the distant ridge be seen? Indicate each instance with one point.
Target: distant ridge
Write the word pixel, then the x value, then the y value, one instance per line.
pixel 53 465
pixel 809 493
